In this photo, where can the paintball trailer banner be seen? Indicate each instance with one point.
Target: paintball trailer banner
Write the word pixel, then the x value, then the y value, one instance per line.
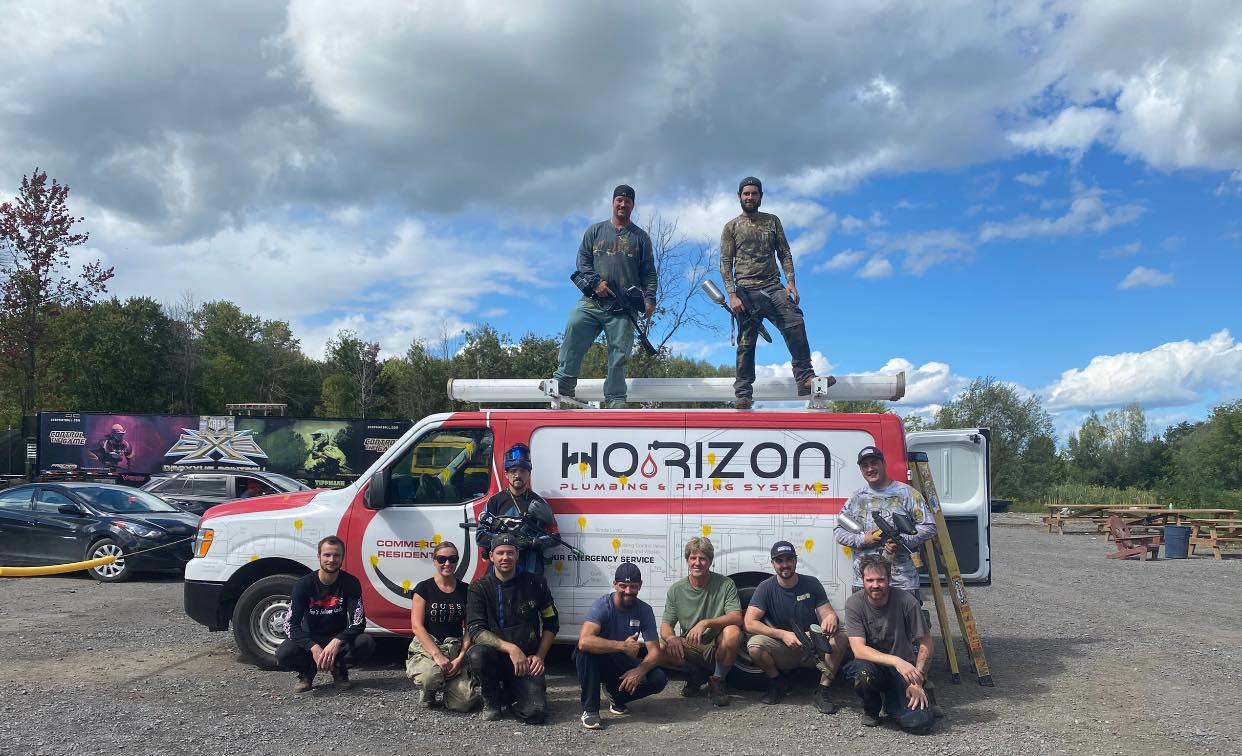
pixel 326 451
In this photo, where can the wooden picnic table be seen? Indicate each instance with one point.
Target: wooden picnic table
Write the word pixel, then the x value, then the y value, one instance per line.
pixel 1059 514
pixel 1157 516
pixel 1215 533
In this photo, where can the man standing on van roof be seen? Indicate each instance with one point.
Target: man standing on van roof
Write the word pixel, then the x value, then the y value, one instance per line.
pixel 512 622
pixel 750 246
pixel 882 495
pixel 617 627
pixel 783 601
pixel 520 511
pixel 614 255
pixel 704 604
pixel 326 623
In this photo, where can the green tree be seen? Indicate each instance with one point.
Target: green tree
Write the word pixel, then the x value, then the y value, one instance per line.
pixel 1016 423
pixel 357 361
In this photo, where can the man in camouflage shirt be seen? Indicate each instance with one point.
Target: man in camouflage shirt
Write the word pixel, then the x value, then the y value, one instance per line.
pixel 750 246
pixel 884 495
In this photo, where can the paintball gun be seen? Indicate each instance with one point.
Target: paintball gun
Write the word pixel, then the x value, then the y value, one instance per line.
pixel 527 530
pixel 748 316
pixel 890 530
pixel 814 643
pixel 629 302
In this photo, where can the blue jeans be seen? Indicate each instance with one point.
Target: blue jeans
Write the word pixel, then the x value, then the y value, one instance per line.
pixel 879 686
pixel 594 669
pixel 586 320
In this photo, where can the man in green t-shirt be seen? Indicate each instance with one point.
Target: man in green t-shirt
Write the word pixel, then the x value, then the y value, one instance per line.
pixel 705 609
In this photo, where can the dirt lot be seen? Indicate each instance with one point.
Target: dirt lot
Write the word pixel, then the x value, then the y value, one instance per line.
pixel 1089 656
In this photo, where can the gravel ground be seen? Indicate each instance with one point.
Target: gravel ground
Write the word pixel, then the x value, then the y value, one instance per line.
pixel 1088 655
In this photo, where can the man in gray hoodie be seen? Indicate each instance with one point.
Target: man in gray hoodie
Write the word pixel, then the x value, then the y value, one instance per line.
pixel 614 255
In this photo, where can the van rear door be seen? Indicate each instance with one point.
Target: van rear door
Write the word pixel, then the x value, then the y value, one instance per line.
pixel 960 466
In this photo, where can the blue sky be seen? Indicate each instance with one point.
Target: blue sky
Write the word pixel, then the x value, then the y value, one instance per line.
pixel 1043 192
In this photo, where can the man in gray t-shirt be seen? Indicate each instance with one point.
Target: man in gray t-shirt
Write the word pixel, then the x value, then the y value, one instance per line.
pixel 892 648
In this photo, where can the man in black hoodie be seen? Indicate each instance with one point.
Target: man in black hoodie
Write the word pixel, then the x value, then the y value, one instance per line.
pixel 512 622
pixel 326 624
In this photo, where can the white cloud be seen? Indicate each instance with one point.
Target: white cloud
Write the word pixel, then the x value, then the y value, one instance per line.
pixel 925 249
pixel 808 242
pixel 1087 214
pixel 784 369
pixel 1070 133
pixel 931 383
pixel 1123 250
pixel 1032 179
pixel 877 267
pixel 1176 373
pixel 841 261
pixel 1142 277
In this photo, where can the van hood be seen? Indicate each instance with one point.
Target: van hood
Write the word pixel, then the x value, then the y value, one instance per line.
pixel 271 503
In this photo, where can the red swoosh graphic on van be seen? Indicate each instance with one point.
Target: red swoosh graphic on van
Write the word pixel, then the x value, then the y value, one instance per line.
pixel 271 503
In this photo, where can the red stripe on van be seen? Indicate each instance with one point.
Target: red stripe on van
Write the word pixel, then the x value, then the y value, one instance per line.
pixel 722 505
pixel 270 503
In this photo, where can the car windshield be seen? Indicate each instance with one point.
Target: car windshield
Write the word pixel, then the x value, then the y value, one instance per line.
pixel 286 483
pixel 122 500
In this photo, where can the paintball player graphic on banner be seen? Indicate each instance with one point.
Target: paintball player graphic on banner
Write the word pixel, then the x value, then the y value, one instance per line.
pixel 324 457
pixel 113 451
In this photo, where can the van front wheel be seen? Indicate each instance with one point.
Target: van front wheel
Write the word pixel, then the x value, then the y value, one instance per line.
pixel 259 619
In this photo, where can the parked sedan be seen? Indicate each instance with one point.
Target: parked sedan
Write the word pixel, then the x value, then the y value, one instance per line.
pixel 198 490
pixel 60 523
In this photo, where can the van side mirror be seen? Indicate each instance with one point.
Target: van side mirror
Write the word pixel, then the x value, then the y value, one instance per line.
pixel 377 491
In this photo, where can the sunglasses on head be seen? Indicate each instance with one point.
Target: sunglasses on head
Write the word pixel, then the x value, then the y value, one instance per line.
pixel 442 559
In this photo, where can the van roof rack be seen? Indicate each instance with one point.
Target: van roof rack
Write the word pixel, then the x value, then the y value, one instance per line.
pixel 656 390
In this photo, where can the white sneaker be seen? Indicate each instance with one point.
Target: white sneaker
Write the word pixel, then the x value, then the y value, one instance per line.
pixel 591 721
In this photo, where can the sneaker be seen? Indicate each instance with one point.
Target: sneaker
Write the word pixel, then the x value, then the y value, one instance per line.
pixel 615 405
pixel 340 678
pixel 820 700
pixel 716 690
pixel 303 684
pixel 590 720
pixel 618 708
pixel 694 684
pixel 870 720
pixel 426 698
pixel 490 713
pixel 775 691
pixel 743 403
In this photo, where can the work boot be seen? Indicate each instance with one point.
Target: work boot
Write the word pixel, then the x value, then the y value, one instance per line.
pixel 694 684
pixel 303 684
pixel 491 713
pixel 427 698
pixel 716 690
pixel 340 677
pixel 743 403
pixel 821 702
pixel 804 387
pixel 870 720
pixel 775 691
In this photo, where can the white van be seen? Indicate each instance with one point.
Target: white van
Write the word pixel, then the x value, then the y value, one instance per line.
pixel 625 485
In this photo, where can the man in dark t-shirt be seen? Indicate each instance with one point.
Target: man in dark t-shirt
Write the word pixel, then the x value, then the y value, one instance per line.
pixel 617 627
pixel 437 656
pixel 782 602
pixel 326 624
pixel 892 648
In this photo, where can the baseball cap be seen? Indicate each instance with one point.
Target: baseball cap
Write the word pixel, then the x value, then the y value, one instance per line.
pixel 504 539
pixel 623 190
pixel 783 548
pixel 750 181
pixel 628 572
pixel 870 451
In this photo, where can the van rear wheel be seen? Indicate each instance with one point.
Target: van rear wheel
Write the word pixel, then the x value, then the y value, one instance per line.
pixel 259 619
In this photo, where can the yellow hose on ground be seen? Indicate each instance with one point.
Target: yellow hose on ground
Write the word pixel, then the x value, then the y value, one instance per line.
pixel 56 569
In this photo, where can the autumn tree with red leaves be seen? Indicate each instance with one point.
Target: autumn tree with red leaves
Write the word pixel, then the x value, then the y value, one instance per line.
pixel 39 279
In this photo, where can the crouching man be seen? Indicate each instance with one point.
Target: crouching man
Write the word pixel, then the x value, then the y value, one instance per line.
pixel 512 621
pixel 326 624
pixel 782 602
pixel 617 627
pixel 892 647
pixel 705 606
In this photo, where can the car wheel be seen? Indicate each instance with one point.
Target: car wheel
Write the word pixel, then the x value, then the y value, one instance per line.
pixel 116 572
pixel 259 619
pixel 745 674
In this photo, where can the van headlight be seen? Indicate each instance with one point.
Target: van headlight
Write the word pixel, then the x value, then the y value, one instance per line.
pixel 202 541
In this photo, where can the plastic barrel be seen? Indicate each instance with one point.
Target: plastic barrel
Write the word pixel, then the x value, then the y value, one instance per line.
pixel 1176 541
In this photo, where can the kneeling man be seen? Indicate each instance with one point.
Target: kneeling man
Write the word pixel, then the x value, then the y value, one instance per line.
pixel 326 624
pixel 892 647
pixel 512 622
pixel 780 603
pixel 704 604
pixel 617 627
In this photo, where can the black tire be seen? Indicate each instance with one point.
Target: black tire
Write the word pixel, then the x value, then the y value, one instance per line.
pixel 258 619
pixel 745 675
pixel 117 572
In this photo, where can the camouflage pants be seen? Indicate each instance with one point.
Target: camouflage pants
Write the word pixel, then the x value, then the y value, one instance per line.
pixel 774 305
